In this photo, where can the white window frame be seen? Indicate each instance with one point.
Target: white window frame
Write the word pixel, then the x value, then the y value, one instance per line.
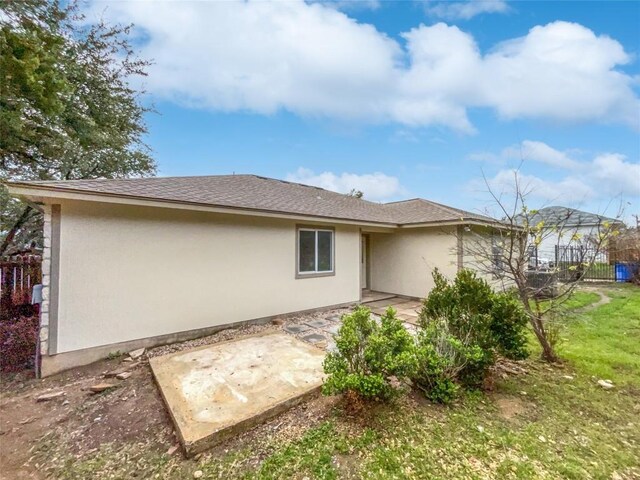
pixel 316 272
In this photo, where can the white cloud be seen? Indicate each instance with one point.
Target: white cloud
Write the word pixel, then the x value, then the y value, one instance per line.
pixel 315 60
pixel 349 5
pixel 615 174
pixel 466 10
pixel 529 151
pixel 375 186
pixel 605 176
pixel 569 190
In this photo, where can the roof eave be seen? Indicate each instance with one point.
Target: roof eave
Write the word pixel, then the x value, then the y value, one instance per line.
pixel 461 221
pixel 43 194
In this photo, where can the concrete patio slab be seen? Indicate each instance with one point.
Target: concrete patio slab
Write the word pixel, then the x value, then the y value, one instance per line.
pixel 371 296
pixel 217 391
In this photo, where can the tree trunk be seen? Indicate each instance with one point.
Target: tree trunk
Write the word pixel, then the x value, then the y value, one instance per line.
pixel 8 240
pixel 548 353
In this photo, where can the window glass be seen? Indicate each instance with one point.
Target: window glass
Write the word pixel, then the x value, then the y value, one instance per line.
pixel 324 251
pixel 307 251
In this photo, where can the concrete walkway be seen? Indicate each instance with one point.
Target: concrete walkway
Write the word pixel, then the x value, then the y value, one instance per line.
pixel 407 309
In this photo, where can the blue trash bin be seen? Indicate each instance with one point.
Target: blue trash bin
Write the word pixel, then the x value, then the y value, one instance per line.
pixel 623 272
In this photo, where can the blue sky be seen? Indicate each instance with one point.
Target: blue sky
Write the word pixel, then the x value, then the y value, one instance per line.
pixel 400 99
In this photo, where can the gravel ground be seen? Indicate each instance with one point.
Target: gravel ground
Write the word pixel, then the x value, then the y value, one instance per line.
pixel 289 324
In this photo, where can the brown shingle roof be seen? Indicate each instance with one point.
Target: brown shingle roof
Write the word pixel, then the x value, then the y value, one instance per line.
pixel 419 210
pixel 253 192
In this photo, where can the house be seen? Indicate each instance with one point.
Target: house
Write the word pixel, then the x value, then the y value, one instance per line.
pixel 566 229
pixel 132 263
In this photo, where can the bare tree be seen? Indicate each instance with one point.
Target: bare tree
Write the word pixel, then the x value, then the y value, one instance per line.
pixel 507 253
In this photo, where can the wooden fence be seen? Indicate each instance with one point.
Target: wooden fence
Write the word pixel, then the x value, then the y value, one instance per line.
pixel 18 275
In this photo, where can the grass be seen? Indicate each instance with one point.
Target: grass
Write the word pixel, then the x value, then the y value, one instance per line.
pixel 550 423
pixel 605 342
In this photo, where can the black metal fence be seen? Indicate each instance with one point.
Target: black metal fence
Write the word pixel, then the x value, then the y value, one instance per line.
pixel 580 262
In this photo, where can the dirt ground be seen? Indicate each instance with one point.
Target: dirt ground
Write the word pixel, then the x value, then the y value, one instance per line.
pixel 33 434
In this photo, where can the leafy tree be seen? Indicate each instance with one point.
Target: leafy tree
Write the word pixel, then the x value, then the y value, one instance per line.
pixel 506 252
pixel 68 109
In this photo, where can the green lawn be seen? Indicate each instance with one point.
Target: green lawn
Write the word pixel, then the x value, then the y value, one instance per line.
pixel 549 423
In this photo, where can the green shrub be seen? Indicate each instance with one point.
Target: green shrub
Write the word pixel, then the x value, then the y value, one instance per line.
pixel 508 325
pixel 369 356
pixel 464 324
pixel 442 361
pixel 494 321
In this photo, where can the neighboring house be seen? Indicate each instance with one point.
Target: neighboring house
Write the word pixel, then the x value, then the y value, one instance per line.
pixel 139 262
pixel 566 228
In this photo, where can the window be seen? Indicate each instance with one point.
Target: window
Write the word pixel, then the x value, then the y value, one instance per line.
pixel 315 251
pixel 497 254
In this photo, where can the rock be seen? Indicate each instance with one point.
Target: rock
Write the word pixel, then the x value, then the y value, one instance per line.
pixel 542 439
pixel 123 375
pixel 127 359
pixel 568 377
pixel 101 387
pixel 66 402
pixel 49 396
pixel 606 384
pixel 172 450
pixel 135 354
pixel 197 474
pixel 480 428
pixel 115 373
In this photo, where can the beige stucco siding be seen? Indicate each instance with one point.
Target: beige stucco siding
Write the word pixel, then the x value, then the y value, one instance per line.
pixel 402 262
pixel 130 272
pixel 478 255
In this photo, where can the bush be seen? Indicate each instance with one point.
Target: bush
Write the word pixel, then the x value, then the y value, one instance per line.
pixel 464 325
pixel 18 339
pixel 369 355
pixel 495 321
pixel 508 325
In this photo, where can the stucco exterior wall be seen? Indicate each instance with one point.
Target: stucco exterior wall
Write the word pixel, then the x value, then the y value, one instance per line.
pixel 130 272
pixel 402 262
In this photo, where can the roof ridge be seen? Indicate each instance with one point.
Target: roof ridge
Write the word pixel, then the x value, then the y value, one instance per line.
pixel 447 207
pixel 403 201
pixel 346 195
pixel 152 177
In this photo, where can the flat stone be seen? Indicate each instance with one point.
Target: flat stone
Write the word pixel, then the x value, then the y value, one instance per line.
pixel 296 328
pixel 606 384
pixel 218 391
pixel 318 323
pixel 49 396
pixel 101 387
pixel 314 338
pixel 334 318
pixel 123 375
pixel 411 319
pixel 135 354
pixel 115 373
pixel 332 328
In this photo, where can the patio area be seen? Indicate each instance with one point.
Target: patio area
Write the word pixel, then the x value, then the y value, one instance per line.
pixel 407 309
pixel 218 390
